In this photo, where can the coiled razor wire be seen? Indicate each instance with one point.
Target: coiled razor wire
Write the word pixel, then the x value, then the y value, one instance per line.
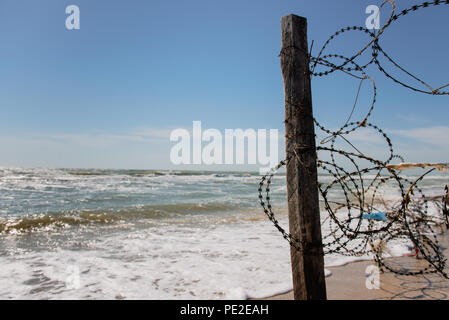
pixel 348 231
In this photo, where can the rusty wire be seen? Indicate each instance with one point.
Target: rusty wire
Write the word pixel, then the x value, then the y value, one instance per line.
pixel 348 231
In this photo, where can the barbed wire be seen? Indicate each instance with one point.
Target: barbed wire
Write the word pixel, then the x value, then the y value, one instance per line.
pixel 364 222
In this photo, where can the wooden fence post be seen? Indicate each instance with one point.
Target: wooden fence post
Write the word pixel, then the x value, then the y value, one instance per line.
pixel 302 189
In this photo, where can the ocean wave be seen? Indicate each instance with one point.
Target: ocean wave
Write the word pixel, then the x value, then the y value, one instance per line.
pixel 38 222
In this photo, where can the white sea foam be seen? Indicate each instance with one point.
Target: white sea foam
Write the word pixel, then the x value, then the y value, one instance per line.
pixel 232 261
pixel 202 254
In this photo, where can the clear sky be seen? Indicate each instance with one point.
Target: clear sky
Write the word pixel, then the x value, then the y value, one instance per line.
pixel 109 94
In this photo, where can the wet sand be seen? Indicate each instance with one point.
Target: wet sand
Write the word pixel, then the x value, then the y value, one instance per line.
pixel 349 282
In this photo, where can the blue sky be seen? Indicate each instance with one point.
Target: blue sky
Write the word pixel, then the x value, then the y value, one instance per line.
pixel 109 94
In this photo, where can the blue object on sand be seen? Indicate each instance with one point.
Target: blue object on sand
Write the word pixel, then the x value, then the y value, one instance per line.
pixel 379 216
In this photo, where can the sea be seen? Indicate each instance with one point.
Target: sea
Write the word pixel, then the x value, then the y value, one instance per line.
pixel 147 234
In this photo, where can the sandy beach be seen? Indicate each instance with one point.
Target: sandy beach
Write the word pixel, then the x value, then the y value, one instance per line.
pixel 348 282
